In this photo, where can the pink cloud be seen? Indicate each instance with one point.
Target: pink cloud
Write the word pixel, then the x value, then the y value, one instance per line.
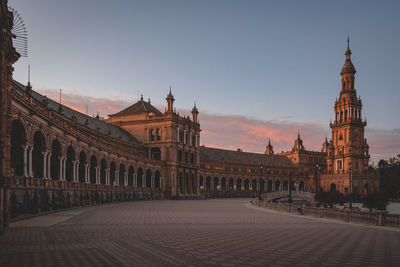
pixel 238 131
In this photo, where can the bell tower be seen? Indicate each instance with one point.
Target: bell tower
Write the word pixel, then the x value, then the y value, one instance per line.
pixel 349 148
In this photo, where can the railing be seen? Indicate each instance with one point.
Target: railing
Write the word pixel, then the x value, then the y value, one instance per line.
pixel 286 193
pixel 379 218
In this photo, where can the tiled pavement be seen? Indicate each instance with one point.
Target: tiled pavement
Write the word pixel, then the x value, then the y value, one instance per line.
pixel 193 233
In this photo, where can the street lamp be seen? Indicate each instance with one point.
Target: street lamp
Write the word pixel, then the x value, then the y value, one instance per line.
pixel 318 168
pixel 259 183
pixel 290 186
pixel 268 172
pixel 381 165
pixel 351 187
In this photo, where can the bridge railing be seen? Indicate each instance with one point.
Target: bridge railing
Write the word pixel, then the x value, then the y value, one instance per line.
pixel 379 218
pixel 286 193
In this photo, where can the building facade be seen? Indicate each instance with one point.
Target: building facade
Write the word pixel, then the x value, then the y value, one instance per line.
pixel 54 157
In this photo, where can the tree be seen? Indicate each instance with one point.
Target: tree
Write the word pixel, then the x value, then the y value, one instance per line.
pixel 376 201
pixel 329 198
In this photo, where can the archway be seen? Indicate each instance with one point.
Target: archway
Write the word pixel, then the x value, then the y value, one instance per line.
pixel 148 178
pixel 187 184
pixel 285 186
pixel 277 185
pixel 82 163
pixel 157 181
pixel 103 167
pixel 55 160
pixel 239 184
pixel 139 177
pixel 39 147
pixel 246 184
pixel 93 166
pixel 333 187
pixel 231 183
pixel 223 184
pixel 208 183
pixel 113 168
pixel 216 181
pixel 301 186
pixel 18 139
pixel 121 175
pixel 269 189
pixel 130 175
pixel 69 172
pixel 254 185
pixel 201 181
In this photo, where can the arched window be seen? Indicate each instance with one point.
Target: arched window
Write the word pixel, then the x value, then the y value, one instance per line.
pixel 113 169
pixel 130 176
pixel 93 165
pixel 39 147
pixel 103 168
pixel 121 175
pixel 139 177
pixel 148 178
pixel 55 160
pixel 69 172
pixel 18 139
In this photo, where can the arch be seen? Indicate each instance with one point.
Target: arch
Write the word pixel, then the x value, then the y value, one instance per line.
pixel 216 181
pixel 238 184
pixel 55 166
pixel 231 184
pixel 113 168
pixel 187 184
pixel 148 178
pixel 18 139
pixel 269 185
pixel 157 179
pixel 285 186
pixel 121 175
pixel 254 184
pixel 93 166
pixel 277 185
pixel 366 189
pixel 103 167
pixel 262 185
pixel 208 183
pixel 181 183
pixel 82 163
pixel 69 172
pixel 223 183
pixel 332 187
pixel 39 147
pixel 194 184
pixel 246 185
pixel 301 186
pixel 131 172
pixel 201 181
pixel 140 177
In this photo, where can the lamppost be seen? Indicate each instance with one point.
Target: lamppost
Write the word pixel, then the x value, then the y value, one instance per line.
pixel 268 172
pixel 259 182
pixel 351 187
pixel 318 168
pixel 381 165
pixel 290 186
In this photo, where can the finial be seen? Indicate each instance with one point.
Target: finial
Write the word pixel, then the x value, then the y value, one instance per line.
pixel 269 141
pixel 60 96
pixel 149 100
pixel 348 41
pixel 170 89
pixel 29 87
pixel 298 134
pixel 141 97
pixel 195 103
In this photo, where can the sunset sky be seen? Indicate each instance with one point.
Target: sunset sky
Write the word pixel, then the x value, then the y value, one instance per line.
pixel 256 69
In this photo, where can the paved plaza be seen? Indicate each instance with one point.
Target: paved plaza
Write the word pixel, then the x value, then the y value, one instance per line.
pixel 221 232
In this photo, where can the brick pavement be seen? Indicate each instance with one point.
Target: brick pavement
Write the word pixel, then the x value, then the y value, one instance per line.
pixel 218 232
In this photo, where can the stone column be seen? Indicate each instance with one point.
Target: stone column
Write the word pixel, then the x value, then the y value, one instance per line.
pixel 126 179
pixel 48 166
pixel 144 181
pixel 61 159
pixel 97 175
pixel 107 176
pixel 152 181
pixel 44 165
pixel 65 169
pixel 160 182
pixel 77 171
pixel 30 161
pixel 116 181
pixel 25 148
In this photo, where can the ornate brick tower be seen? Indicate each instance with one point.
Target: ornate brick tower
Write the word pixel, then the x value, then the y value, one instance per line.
pixel 348 149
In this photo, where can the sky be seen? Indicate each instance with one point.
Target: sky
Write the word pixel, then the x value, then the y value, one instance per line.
pixel 256 69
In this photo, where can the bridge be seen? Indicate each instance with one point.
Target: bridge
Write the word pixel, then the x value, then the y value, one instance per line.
pixel 307 196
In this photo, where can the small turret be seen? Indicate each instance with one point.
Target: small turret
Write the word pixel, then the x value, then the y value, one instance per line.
pixel 195 112
pixel 170 101
pixel 269 150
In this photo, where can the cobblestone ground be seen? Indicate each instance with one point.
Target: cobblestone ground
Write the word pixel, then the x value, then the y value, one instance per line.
pixel 219 232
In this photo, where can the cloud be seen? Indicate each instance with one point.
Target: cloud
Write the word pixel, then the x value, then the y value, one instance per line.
pixel 238 131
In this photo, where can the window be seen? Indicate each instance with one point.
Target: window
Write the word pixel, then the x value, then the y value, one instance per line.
pixel 158 133
pixel 180 156
pixel 152 135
